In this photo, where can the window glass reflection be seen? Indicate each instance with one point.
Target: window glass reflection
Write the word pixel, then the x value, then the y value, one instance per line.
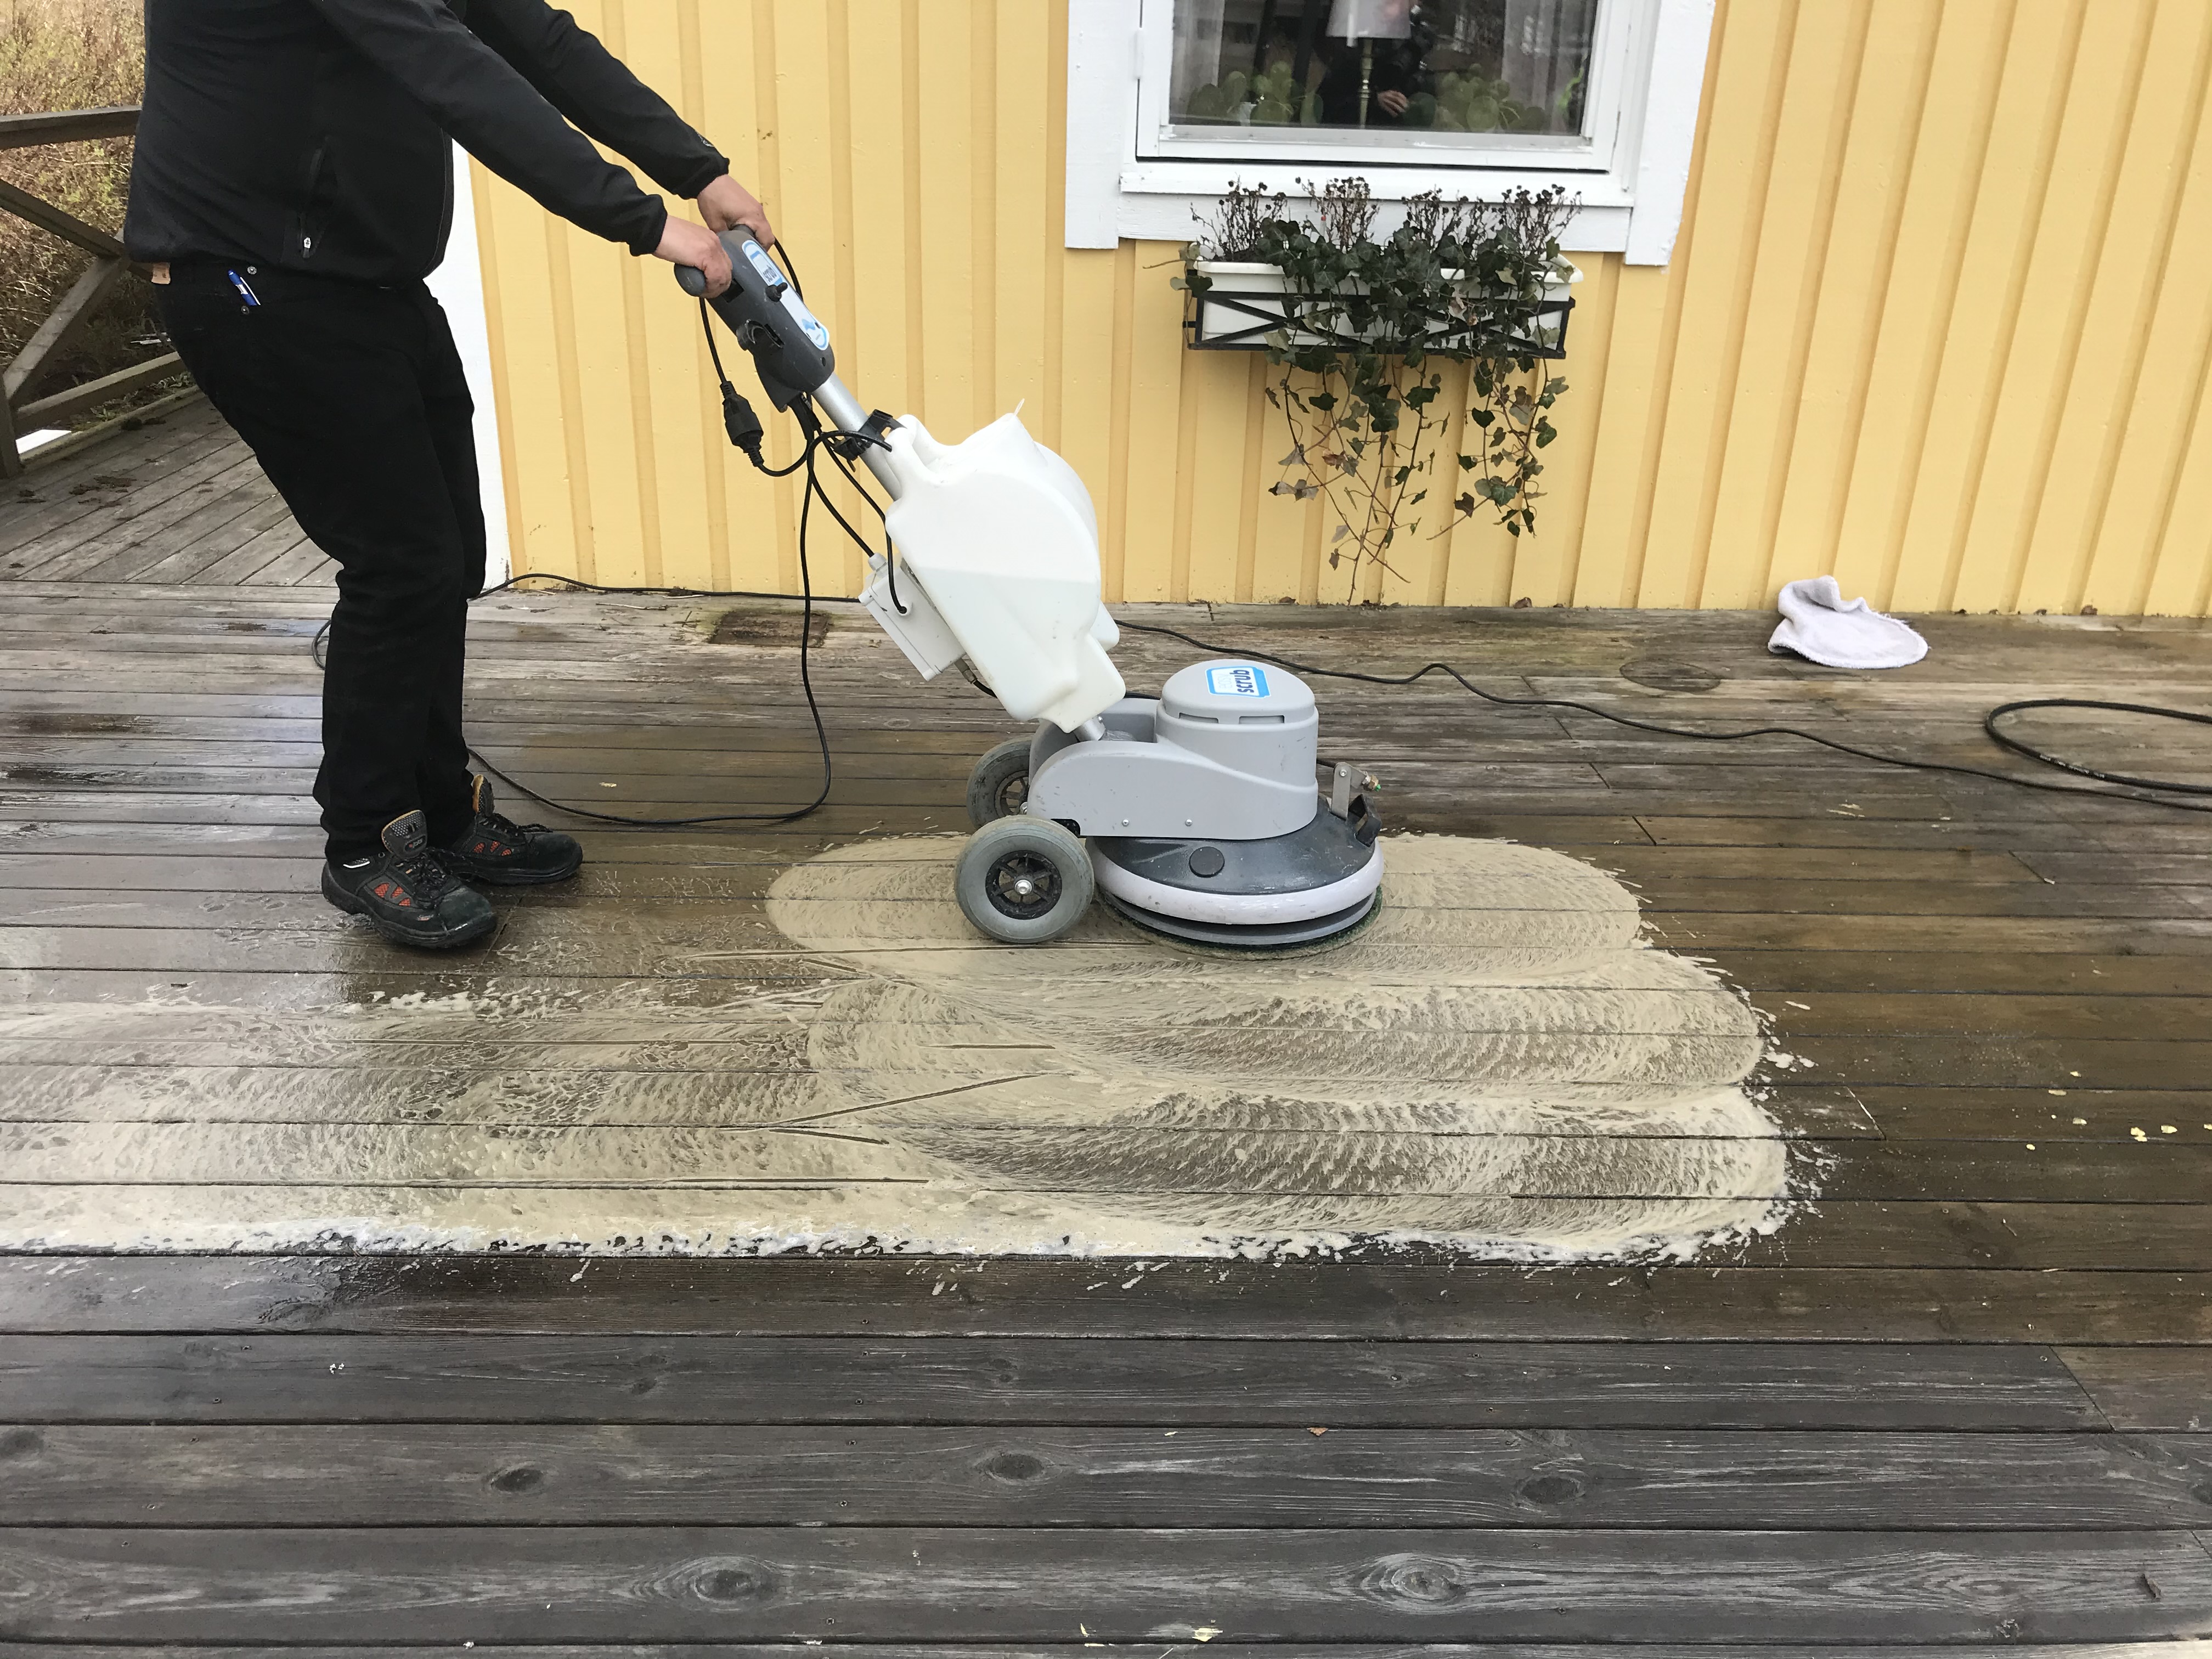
pixel 1380 69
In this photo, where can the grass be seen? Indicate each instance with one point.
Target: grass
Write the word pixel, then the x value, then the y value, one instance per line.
pixel 60 55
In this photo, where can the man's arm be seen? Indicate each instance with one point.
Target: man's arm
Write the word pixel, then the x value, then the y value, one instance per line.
pixel 499 118
pixel 593 87
pixel 583 80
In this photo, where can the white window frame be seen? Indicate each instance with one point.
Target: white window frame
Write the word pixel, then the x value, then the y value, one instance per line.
pixel 1126 178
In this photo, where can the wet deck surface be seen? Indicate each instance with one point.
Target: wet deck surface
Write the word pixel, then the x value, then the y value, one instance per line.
pixel 1948 1379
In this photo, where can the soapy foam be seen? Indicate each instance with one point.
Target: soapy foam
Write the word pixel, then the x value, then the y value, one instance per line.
pixel 1499 1065
pixel 1499 1034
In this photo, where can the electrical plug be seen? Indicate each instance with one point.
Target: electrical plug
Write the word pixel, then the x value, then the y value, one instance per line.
pixel 741 423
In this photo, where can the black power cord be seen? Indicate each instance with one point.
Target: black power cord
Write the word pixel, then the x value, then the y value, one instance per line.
pixel 817 439
pixel 320 648
pixel 805 681
pixel 745 433
pixel 890 563
pixel 1988 724
pixel 806 629
pixel 1989 720
pixel 578 584
pixel 837 452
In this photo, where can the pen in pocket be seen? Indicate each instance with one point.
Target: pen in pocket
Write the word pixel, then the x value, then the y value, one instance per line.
pixel 245 289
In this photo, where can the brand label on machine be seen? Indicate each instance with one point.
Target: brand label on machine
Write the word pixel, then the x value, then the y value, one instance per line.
pixel 1242 679
pixel 760 262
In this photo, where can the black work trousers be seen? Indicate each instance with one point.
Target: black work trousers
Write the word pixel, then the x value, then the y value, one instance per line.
pixel 353 399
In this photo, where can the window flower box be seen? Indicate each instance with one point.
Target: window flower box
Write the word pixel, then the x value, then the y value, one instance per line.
pixel 1245 303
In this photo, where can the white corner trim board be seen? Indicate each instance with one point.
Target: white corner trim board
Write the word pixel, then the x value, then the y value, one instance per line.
pixel 1670 128
pixel 458 286
pixel 1631 203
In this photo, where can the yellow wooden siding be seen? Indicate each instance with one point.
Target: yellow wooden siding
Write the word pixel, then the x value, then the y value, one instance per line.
pixel 1938 321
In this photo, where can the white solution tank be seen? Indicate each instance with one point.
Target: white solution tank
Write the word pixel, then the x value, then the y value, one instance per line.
pixel 1000 535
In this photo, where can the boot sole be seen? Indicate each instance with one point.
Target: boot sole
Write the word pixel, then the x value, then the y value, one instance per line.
pixel 501 877
pixel 352 905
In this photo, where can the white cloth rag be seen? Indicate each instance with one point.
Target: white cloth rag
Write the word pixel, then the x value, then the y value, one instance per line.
pixel 1818 624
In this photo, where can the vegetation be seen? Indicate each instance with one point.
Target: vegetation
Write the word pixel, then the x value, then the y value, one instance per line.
pixel 1369 327
pixel 1271 99
pixel 1473 103
pixel 58 55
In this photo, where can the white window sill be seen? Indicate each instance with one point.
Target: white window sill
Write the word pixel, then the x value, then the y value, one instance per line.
pixel 1166 200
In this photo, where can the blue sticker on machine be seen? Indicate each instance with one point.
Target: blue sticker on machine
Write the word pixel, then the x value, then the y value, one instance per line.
pixel 805 320
pixel 1242 679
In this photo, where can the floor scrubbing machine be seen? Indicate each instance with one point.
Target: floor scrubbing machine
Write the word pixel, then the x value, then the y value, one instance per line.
pixel 1199 813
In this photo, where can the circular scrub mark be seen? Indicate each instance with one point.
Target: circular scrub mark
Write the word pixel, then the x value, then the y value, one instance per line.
pixel 1499 1063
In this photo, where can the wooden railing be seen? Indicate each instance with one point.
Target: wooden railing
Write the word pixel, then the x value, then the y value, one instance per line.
pixel 19 411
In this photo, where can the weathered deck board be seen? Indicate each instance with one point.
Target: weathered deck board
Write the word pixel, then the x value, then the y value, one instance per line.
pixel 1352 1301
pixel 300 1377
pixel 543 1584
pixel 1342 1477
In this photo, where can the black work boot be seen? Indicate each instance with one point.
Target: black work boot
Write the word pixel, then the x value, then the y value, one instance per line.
pixel 495 849
pixel 406 891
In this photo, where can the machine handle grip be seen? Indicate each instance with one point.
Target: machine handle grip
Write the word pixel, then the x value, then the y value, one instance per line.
pixel 692 281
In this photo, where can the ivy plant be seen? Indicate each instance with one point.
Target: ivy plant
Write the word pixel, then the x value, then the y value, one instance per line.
pixel 1369 327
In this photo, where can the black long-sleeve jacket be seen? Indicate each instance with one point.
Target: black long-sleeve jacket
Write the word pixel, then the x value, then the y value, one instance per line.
pixel 310 135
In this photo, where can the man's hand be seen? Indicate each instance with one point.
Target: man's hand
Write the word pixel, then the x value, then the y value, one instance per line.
pixel 684 243
pixel 1393 103
pixel 725 204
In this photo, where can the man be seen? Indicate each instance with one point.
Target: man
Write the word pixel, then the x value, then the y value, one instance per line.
pixel 292 188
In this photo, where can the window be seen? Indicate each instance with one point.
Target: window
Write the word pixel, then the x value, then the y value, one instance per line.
pixel 1388 82
pixel 1170 102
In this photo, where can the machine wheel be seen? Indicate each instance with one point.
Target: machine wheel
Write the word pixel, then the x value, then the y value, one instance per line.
pixel 1023 880
pixel 999 784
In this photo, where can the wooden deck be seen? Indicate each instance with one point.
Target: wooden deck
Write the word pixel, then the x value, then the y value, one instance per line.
pixel 1956 1396
pixel 179 500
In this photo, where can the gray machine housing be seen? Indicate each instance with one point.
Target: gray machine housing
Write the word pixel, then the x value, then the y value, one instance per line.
pixel 1202 814
pixel 1226 752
